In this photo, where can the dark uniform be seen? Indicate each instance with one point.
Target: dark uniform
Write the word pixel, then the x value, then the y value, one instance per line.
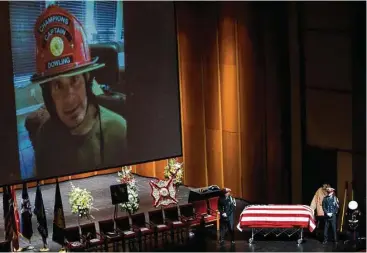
pixel 330 205
pixel 226 204
pixel 353 224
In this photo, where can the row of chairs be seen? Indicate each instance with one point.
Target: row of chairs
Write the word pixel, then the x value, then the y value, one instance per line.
pixel 136 231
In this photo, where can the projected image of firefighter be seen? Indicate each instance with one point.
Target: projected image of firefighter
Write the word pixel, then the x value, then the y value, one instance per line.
pixel 80 134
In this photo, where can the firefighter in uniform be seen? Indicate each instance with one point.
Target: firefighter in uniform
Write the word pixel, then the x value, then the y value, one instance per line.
pixel 226 207
pixel 319 196
pixel 330 206
pixel 80 134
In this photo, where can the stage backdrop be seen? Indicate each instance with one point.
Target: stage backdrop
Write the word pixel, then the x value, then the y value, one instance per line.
pixel 232 100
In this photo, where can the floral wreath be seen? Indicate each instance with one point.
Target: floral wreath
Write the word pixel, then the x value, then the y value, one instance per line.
pixel 174 170
pixel 126 177
pixel 163 192
pixel 81 202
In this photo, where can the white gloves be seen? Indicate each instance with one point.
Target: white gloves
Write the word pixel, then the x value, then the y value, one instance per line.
pixel 329 214
pixel 224 215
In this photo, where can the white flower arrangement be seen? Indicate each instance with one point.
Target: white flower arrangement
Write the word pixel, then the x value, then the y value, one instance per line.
pixel 81 202
pixel 126 177
pixel 174 170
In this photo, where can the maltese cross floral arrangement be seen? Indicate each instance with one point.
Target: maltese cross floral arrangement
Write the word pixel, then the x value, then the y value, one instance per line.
pixel 81 202
pixel 174 170
pixel 126 177
pixel 163 192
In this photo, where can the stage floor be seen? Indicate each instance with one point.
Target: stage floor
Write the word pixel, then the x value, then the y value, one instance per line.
pixel 99 187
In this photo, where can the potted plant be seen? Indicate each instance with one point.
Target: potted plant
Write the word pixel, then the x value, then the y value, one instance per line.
pixel 174 170
pixel 127 177
pixel 81 202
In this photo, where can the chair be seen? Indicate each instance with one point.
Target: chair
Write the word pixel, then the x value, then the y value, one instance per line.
pixel 110 76
pixel 110 235
pixel 143 228
pixel 160 228
pixel 127 233
pixel 188 215
pixel 173 220
pixel 213 210
pixel 94 241
pixel 73 239
pixel 201 210
pixel 107 53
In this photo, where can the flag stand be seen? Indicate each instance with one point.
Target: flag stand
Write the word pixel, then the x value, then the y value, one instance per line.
pixel 78 220
pixel 115 212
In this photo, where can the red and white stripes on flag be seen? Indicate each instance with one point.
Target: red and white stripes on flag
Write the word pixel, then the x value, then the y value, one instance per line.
pixel 277 216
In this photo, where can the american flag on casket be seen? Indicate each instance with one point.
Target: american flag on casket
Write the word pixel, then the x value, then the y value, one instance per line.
pixel 277 216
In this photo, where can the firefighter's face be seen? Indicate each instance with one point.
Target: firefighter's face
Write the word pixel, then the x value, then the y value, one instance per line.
pixel 70 98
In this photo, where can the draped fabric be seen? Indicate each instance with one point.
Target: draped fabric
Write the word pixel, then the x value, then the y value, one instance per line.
pixel 39 211
pixel 26 214
pixel 59 218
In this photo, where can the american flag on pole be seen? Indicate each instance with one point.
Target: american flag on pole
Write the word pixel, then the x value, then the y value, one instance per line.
pixel 16 219
pixel 277 216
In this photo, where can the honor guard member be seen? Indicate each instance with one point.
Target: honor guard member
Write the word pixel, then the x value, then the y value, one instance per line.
pixel 319 196
pixel 226 207
pixel 352 216
pixel 80 134
pixel 330 205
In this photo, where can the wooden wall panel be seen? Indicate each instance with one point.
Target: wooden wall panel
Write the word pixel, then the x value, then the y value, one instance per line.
pixel 296 131
pixel 108 171
pixel 221 62
pixel 324 69
pixel 229 98
pixel 248 104
pixel 134 168
pixel 329 119
pixel 195 173
pixel 192 94
pixel 211 92
pixel 345 174
pixel 227 33
pixel 159 168
pixel 83 175
pixel 229 92
pixel 214 157
pixel 275 87
pixel 322 15
pixel 146 169
pixel 193 123
pixel 211 95
pixel 231 164
pixel 228 74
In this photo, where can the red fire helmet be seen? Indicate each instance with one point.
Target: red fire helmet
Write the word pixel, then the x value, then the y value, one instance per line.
pixel 62 48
